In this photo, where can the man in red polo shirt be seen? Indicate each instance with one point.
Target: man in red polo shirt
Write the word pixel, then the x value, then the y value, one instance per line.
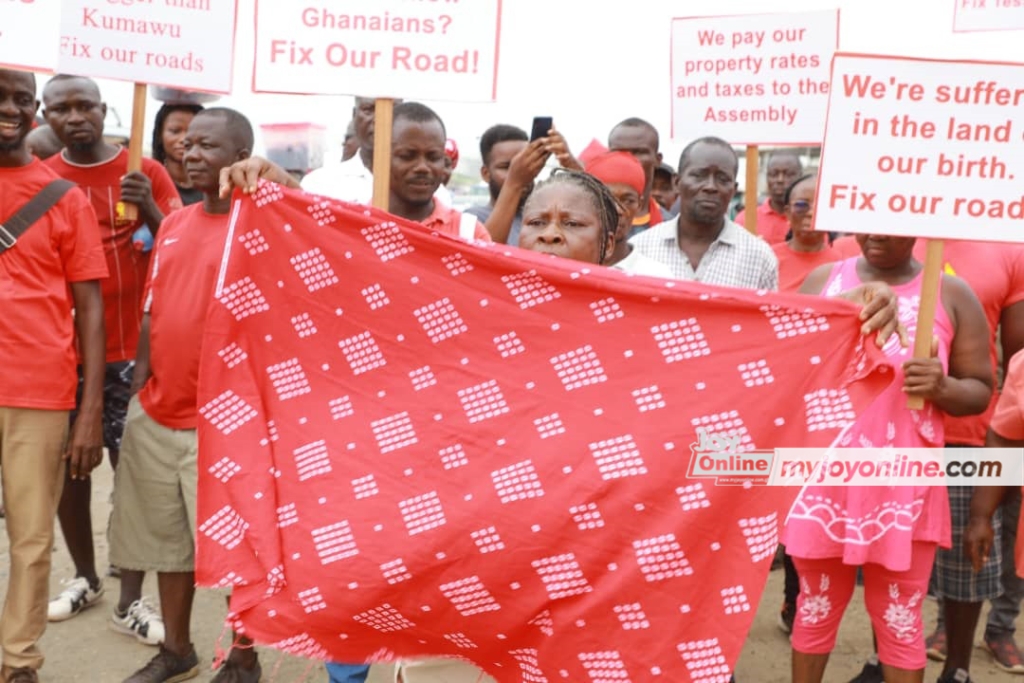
pixel 783 169
pixel 58 255
pixel 417 170
pixel 153 524
pixel 75 111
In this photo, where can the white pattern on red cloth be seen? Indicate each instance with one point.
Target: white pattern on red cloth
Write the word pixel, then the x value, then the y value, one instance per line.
pixel 533 464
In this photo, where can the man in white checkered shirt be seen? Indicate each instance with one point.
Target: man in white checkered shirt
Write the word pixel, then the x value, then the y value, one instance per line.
pixel 702 245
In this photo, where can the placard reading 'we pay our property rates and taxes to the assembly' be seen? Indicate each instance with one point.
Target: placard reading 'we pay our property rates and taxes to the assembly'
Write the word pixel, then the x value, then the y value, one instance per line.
pixel 414 49
pixel 754 79
pixel 185 44
pixel 924 148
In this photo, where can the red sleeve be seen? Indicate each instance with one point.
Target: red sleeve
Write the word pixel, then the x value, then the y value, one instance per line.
pixel 81 247
pixel 1008 420
pixel 1015 291
pixel 164 192
pixel 741 218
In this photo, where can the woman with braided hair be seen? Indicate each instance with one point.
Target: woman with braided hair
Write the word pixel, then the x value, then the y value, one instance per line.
pixel 572 215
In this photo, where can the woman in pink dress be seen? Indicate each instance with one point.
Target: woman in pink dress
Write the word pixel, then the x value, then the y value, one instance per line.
pixel 892 532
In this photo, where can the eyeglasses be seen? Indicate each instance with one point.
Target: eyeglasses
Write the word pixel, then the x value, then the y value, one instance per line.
pixel 801 207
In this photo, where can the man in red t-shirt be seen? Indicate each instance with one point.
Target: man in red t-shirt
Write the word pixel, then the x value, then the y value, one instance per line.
pixel 417 170
pixel 75 111
pixel 60 254
pixel 782 170
pixel 152 527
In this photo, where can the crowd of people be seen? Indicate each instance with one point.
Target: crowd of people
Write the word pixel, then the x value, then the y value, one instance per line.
pixel 105 288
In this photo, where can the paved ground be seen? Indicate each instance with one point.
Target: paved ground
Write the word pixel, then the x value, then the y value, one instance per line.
pixel 85 650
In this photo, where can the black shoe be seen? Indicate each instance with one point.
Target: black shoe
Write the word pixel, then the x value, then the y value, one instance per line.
pixel 871 673
pixel 233 672
pixel 958 676
pixel 167 667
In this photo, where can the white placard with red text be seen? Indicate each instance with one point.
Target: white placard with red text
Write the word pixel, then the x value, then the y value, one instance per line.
pixel 29 34
pixel 414 49
pixel 753 79
pixel 988 15
pixel 186 44
pixel 923 148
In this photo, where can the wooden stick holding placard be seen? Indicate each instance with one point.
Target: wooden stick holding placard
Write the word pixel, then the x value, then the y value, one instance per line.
pixel 383 117
pixel 926 311
pixel 750 194
pixel 131 212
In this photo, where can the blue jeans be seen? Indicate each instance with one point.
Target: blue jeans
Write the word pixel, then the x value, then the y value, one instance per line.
pixel 347 673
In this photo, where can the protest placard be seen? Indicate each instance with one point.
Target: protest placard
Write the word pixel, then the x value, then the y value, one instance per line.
pixel 753 79
pixel 988 15
pixel 29 35
pixel 379 48
pixel 923 148
pixel 186 44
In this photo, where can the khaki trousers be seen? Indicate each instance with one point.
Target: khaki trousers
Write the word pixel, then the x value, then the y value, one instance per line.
pixel 32 446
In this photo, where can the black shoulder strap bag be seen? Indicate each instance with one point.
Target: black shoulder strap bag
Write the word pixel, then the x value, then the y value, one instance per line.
pixel 34 209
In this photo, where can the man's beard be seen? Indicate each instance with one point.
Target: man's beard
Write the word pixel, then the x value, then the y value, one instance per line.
pixel 495 190
pixel 12 146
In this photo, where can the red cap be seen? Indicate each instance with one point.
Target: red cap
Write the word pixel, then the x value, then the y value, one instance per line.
pixel 618 167
pixel 592 150
pixel 451 150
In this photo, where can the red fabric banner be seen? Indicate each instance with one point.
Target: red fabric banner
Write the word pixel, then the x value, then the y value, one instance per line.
pixel 412 445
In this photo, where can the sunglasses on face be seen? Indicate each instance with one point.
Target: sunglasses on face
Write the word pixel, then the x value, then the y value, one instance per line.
pixel 800 207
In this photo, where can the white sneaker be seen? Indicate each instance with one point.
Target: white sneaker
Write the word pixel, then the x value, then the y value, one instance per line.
pixel 76 596
pixel 142 620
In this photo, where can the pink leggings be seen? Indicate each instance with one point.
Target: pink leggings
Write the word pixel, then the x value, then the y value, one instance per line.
pixel 893 600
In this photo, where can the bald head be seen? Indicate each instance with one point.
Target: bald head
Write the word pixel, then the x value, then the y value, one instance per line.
pixel 27 77
pixel 63 82
pixel 640 139
pixel 233 124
